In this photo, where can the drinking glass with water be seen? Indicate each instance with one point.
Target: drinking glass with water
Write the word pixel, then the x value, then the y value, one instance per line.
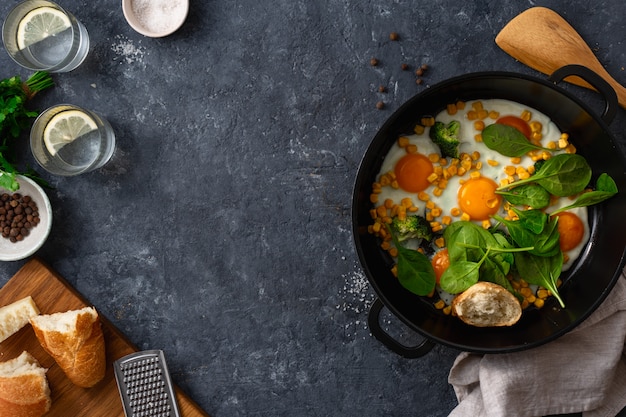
pixel 69 140
pixel 42 36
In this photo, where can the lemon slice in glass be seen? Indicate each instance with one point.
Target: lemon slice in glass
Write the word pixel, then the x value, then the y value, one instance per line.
pixel 39 24
pixel 66 127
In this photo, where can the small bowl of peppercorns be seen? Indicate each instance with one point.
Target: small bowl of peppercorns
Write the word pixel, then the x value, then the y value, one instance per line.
pixel 25 220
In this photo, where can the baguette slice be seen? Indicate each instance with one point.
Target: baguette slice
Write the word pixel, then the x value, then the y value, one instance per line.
pixel 15 316
pixel 74 339
pixel 24 390
pixel 486 304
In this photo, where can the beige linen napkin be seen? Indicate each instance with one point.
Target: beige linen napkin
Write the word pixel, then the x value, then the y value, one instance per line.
pixel 582 371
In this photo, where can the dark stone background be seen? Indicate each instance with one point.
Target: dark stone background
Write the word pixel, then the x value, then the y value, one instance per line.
pixel 220 232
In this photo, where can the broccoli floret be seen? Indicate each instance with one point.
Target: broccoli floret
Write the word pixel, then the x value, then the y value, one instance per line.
pixel 412 227
pixel 445 136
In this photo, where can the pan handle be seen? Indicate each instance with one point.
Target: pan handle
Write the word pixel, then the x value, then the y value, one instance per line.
pixel 409 352
pixel 607 92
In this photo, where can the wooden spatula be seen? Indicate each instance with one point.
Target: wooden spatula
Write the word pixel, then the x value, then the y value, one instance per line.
pixel 543 40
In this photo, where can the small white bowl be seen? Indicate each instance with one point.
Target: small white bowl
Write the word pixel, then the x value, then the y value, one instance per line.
pixel 155 18
pixel 10 251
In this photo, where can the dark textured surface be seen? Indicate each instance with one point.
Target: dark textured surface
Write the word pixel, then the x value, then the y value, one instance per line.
pixel 220 231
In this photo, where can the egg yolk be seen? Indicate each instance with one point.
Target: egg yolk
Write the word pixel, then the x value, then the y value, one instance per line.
pixel 571 230
pixel 477 197
pixel 440 262
pixel 412 172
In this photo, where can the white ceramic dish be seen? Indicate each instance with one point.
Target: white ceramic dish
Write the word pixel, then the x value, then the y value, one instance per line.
pixel 10 251
pixel 155 18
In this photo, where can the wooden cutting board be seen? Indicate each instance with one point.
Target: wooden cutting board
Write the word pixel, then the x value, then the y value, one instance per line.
pixel 53 294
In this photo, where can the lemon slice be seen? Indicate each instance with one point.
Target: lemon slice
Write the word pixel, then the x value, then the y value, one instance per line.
pixel 65 127
pixel 39 24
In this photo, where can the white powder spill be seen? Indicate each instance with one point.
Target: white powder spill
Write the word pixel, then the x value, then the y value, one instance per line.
pixel 357 299
pixel 127 51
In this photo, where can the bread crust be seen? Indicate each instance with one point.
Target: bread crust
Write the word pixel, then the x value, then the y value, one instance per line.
pixel 25 394
pixel 80 352
pixel 486 304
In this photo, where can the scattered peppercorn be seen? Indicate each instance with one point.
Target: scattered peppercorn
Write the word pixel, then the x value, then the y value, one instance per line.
pixel 373 62
pixel 419 72
pixel 382 89
pixel 18 215
pixel 380 105
pixel 419 81
pixel 424 67
pixel 394 36
pixel 405 67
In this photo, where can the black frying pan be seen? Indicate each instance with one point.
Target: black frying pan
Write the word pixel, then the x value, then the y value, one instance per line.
pixel 585 285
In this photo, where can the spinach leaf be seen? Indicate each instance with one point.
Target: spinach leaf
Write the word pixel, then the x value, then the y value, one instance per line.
pixel 605 189
pixel 532 195
pixel 541 270
pixel 507 140
pixel 415 272
pixel 562 175
pixel 460 276
pixel 462 233
pixel 533 220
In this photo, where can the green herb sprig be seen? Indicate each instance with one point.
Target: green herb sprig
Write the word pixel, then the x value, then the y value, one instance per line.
pixel 15 118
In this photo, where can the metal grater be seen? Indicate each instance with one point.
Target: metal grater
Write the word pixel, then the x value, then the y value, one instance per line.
pixel 145 385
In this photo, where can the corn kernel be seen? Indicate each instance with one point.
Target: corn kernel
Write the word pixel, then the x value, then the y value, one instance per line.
pixel 388 203
pixel 428 121
pixel 376 227
pixel 494 114
pixel 394 184
pixel 373 214
pixel 455 211
pixel 460 105
pixel 478 137
pixel 429 216
pixel 524 304
pixel 446 220
pixel 492 163
pixel 542 293
pixel 373 198
pixel 475 174
pixel 526 292
pixel 536 136
pixel 482 114
pixel 433 157
pixel 479 125
pixel 403 141
pixel 563 143
pixel 475 156
pixel 418 129
pixel 486 224
pixel 382 211
pixel 472 115
pixel 516 160
pixel 545 155
pixel 436 211
pixel 440 242
pixel 451 108
pixel 539 303
pixel 570 148
pixel 477 105
pixel 535 126
pixel 393 252
pixel 430 205
pixel 412 209
pixel 411 148
pixel 531 169
pixel 438 191
pixel 551 145
pixel 523 175
pixel 432 177
pixel 447 310
pixel 394 271
pixel 465 217
pixel 479 165
pixel 440 304
pixel 406 202
pixel 526 115
pixel 443 162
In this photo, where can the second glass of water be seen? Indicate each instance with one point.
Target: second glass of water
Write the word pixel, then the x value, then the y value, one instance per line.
pixel 69 140
pixel 42 36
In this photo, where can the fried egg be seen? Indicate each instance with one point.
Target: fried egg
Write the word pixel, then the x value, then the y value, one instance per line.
pixel 415 179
